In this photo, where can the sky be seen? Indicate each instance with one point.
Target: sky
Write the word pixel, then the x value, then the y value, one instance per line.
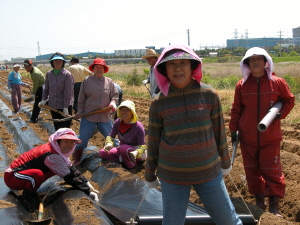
pixel 76 26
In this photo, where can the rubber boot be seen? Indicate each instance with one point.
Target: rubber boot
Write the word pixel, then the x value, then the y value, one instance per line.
pixel 30 200
pixel 260 201
pixel 76 156
pixel 273 205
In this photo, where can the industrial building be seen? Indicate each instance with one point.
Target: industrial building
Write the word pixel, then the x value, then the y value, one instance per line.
pixel 265 42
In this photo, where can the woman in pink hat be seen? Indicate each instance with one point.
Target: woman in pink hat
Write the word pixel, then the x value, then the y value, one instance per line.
pixel 187 144
pixel 96 92
pixel 35 166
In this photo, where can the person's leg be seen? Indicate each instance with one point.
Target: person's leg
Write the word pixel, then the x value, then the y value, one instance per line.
pixel 255 181
pixel 216 201
pixel 19 96
pixel 14 98
pixel 271 169
pixel 112 155
pixel 76 93
pixel 85 132
pixel 124 151
pixel 28 179
pixel 36 109
pixel 175 202
pixel 105 128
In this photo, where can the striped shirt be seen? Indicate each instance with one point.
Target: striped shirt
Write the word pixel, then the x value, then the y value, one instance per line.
pixel 186 136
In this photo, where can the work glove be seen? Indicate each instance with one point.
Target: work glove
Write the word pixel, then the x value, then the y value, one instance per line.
pixel 94 196
pixel 226 171
pixel 43 102
pixel 278 115
pixel 65 112
pixel 114 108
pixel 33 96
pixel 233 137
pixel 108 143
pixel 145 81
pixel 91 187
pixel 153 184
pixel 10 90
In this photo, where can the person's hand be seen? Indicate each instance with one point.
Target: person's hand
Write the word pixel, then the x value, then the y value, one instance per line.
pixel 91 187
pixel 10 90
pixel 77 116
pixel 94 196
pixel 41 103
pixel 278 115
pixel 33 96
pixel 226 171
pixel 145 81
pixel 114 107
pixel 233 137
pixel 108 146
pixel 65 112
pixel 153 184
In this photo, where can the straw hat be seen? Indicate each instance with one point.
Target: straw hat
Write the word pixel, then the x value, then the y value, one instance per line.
pixel 150 53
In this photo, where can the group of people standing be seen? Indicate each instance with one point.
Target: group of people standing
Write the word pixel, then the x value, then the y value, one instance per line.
pixel 187 144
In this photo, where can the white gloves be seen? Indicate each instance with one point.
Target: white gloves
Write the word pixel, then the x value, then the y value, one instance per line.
pixel 145 81
pixel 91 187
pixel 43 102
pixel 94 196
pixel 33 96
pixel 153 184
pixel 108 146
pixel 114 107
pixel 10 90
pixel 65 112
pixel 226 171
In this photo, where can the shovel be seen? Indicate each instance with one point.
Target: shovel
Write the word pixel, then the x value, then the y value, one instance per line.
pixel 29 99
pixel 61 113
pixel 40 219
pixel 83 115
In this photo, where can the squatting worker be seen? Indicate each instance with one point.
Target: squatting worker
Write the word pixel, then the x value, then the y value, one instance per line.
pixel 187 144
pixel 79 72
pixel 35 166
pixel 96 92
pixel 151 58
pixel 254 95
pixel 58 90
pixel 38 80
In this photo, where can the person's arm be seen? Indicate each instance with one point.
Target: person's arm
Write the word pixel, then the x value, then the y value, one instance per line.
pixel 236 110
pixel 113 95
pixel 155 127
pixel 220 132
pixel 287 98
pixel 46 88
pixel 68 90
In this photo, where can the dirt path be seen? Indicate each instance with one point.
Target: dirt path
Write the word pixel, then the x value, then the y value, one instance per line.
pixel 290 156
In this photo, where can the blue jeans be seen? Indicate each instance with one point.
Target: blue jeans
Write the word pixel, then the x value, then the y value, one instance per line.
pixel 87 129
pixel 213 195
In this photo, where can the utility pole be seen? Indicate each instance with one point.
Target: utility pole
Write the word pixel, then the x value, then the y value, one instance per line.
pixel 280 42
pixel 39 51
pixel 188 32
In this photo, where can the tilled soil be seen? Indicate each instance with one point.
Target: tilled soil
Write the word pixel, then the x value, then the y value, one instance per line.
pixel 235 182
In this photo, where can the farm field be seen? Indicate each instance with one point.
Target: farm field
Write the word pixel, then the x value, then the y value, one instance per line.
pixel 235 182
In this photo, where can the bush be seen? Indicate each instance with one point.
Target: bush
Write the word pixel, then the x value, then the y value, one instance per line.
pixel 293 82
pixel 134 78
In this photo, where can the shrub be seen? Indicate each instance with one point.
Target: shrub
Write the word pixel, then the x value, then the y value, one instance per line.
pixel 134 78
pixel 293 82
